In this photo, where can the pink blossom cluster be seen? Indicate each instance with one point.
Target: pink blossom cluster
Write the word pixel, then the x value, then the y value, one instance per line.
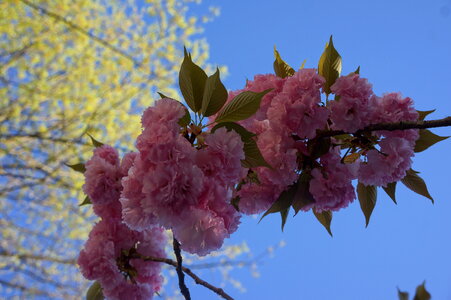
pixel 180 187
pixel 290 116
pixel 358 107
pixel 100 258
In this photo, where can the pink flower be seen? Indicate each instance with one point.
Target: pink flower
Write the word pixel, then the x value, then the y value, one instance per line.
pixel 171 188
pixel 353 109
pixel 99 260
pixel 352 86
pixel 256 198
pixel 103 182
pixel 388 165
pixel 297 109
pixel 222 157
pixel 165 111
pixel 135 215
pixel 331 185
pixel 201 231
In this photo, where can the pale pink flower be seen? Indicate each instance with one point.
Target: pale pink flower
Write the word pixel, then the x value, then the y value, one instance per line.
pixel 331 185
pixel 201 231
pixel 165 111
pixel 388 165
pixel 98 260
pixel 256 198
pixel 170 188
pixel 222 157
pixel 103 182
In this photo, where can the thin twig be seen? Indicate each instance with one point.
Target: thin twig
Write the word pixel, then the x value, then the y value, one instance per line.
pixel 183 288
pixel 190 273
pixel 81 30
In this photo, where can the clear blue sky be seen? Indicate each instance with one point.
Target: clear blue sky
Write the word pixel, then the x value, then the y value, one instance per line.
pixel 401 46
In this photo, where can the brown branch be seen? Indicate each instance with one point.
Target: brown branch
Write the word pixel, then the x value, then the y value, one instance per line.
pixel 445 122
pixel 81 30
pixel 183 288
pixel 188 272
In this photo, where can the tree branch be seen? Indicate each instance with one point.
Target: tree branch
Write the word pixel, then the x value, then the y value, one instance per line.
pixel 183 288
pixel 445 122
pixel 81 30
pixel 38 257
pixel 190 273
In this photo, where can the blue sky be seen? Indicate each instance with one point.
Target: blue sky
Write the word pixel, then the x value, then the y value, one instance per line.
pixel 401 46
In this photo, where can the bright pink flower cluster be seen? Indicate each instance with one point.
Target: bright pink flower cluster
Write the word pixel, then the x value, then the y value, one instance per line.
pixel 102 257
pixel 289 118
pixel 187 183
pixel 179 187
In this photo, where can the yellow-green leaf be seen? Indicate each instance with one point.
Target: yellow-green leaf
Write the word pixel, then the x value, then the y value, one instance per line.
pixel 186 119
pixel 243 132
pixel 303 197
pixel 192 83
pixel 86 201
pixel 390 190
pixel 415 183
pixel 80 167
pixel 95 292
pixel 253 157
pixel 422 114
pixel 421 293
pixel 281 68
pixel 215 95
pixel 95 142
pixel 283 202
pixel 284 216
pixel 325 218
pixel 367 197
pixel 427 139
pixel 329 65
pixel 162 96
pixel 403 295
pixel 241 107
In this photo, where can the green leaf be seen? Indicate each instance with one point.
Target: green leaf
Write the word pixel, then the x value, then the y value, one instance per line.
pixel 303 197
pixel 325 218
pixel 241 107
pixel 215 95
pixel 422 114
pixel 403 295
pixel 367 198
pixel 427 139
pixel 284 216
pixel 422 293
pixel 390 190
pixel 80 167
pixel 86 201
pixel 329 65
pixel 357 71
pixel 162 96
pixel 281 68
pixel 318 147
pixel 253 156
pixel 303 64
pixel 243 132
pixel 186 119
pixel 192 82
pixel 282 203
pixel 236 203
pixel 95 142
pixel 95 292
pixel 415 183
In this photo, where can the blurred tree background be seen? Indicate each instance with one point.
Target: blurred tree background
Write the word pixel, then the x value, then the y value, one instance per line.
pixel 68 68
